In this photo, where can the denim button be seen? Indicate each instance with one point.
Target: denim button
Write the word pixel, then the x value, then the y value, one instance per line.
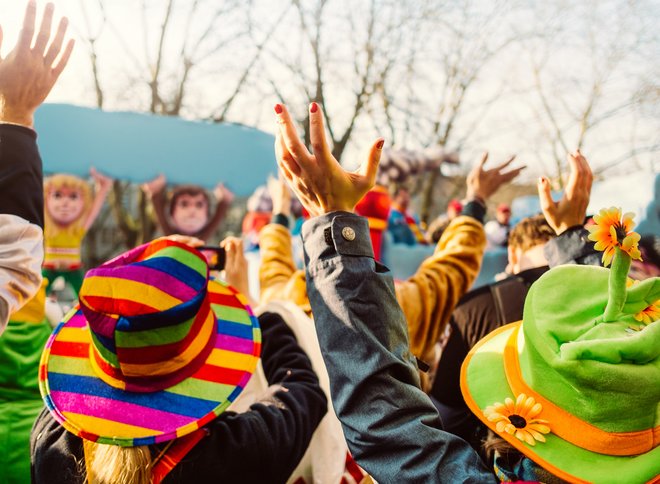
pixel 348 233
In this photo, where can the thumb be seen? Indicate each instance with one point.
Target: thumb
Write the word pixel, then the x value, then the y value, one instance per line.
pixel 547 204
pixel 369 168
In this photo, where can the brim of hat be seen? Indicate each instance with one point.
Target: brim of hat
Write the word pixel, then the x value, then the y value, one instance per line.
pixel 484 383
pixel 90 408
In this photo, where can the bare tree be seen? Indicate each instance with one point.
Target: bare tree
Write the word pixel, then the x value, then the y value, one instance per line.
pixel 593 100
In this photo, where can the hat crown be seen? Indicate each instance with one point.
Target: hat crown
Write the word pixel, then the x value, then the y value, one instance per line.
pixel 605 373
pixel 149 316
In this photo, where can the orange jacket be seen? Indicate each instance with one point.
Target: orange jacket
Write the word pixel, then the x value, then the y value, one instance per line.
pixel 427 298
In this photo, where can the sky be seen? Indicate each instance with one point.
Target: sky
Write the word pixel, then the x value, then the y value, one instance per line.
pixel 509 126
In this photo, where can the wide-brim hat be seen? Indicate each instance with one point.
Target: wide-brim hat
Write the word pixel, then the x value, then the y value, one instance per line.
pixel 154 350
pixel 571 390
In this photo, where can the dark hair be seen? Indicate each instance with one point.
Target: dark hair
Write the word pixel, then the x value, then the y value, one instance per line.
pixel 530 232
pixel 191 190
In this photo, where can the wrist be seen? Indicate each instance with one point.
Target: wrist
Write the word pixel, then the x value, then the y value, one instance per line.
pixel 16 116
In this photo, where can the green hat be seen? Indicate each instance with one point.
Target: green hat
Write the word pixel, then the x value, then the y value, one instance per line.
pixel 575 386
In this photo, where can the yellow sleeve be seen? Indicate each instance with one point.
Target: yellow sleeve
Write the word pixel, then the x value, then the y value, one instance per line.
pixel 278 277
pixel 429 297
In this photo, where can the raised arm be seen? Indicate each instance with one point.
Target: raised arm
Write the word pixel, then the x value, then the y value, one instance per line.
pixel 155 191
pixel 390 425
pixel 429 296
pixel 102 185
pixel 27 75
pixel 224 197
pixel 567 216
pixel 279 279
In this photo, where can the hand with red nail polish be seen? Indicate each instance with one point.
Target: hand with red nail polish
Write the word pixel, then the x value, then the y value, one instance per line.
pixel 571 210
pixel 317 178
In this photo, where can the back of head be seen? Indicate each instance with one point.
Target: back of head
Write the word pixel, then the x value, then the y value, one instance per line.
pixel 530 232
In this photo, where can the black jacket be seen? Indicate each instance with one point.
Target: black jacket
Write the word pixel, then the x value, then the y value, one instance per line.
pixel 262 445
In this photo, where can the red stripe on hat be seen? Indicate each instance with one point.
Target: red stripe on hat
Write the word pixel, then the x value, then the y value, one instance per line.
pixel 216 374
pixel 120 306
pixel 225 300
pixel 157 246
pixel 72 350
pixel 157 353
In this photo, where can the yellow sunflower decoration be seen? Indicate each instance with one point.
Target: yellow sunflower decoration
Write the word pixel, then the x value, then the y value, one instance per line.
pixel 519 418
pixel 612 230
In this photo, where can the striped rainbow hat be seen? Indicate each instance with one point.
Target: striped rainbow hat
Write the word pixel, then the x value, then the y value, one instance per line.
pixel 153 351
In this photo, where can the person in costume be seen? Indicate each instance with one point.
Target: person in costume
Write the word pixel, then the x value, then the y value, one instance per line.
pixel 188 210
pixel 27 75
pixel 138 377
pixel 573 389
pixel 70 210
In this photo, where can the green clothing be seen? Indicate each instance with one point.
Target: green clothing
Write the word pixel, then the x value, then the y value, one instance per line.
pixel 74 278
pixel 20 402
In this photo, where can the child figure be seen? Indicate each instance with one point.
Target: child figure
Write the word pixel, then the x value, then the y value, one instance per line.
pixel 69 212
pixel 189 208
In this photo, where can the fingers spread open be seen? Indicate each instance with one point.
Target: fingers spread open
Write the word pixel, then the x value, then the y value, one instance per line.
pixel 290 136
pixel 575 178
pixel 545 197
pixel 483 160
pixel 59 67
pixel 506 163
pixel 56 44
pixel 510 175
pixel 283 156
pixel 44 30
pixel 369 167
pixel 317 132
pixel 27 32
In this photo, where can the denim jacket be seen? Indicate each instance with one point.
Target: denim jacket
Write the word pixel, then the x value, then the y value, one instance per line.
pixel 391 426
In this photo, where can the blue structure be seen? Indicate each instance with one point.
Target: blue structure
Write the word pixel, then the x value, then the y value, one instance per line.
pixel 137 147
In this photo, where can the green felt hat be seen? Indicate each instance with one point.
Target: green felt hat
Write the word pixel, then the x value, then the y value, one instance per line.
pixel 575 386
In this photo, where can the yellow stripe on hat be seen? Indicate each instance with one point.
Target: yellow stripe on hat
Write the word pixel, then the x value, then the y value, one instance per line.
pixel 119 288
pixel 73 335
pixel 102 426
pixel 232 360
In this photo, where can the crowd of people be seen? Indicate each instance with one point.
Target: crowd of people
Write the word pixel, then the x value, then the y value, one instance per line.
pixel 167 371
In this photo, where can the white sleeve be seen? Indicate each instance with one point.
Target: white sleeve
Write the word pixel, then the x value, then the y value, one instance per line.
pixel 21 256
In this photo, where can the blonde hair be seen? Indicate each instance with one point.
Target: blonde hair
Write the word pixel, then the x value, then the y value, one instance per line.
pixel 111 464
pixel 66 181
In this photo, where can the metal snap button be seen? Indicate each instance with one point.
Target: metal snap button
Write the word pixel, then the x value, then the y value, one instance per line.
pixel 348 233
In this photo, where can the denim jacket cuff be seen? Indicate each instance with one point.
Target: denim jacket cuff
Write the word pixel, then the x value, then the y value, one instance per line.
pixel 336 233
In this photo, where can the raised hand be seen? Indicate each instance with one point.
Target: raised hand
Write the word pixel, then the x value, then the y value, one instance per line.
pixel 103 183
pixel 280 195
pixel 317 178
pixel 236 266
pixel 572 208
pixel 223 194
pixel 483 183
pixel 154 186
pixel 29 72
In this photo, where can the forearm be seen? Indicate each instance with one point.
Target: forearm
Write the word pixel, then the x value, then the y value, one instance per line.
pixel 159 201
pixel 21 256
pixel 277 266
pixel 390 425
pixel 21 178
pixel 429 297
pixel 216 220
pixel 572 247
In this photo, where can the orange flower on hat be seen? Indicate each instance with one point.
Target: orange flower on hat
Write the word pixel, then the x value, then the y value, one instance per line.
pixel 519 418
pixel 611 230
pixel 649 314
